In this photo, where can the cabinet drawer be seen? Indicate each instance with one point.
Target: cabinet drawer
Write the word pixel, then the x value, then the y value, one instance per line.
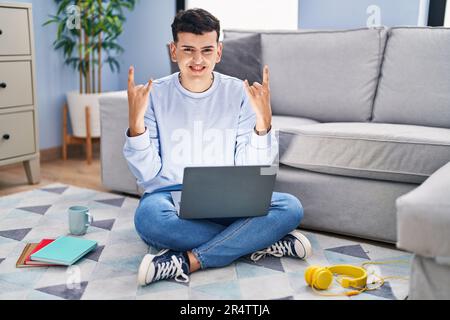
pixel 16 134
pixel 15 84
pixel 15 36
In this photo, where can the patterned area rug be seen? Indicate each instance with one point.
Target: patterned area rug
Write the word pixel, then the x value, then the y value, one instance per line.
pixel 110 272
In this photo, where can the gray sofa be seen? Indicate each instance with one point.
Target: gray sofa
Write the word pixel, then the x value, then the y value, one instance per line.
pixel 363 118
pixel 423 220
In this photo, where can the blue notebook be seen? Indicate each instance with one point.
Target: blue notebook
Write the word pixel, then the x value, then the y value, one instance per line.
pixel 64 250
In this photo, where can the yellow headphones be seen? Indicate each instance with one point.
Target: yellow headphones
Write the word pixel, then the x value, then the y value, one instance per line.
pixel 321 277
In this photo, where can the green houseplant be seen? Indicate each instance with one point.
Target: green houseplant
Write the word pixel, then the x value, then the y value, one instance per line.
pixel 87 34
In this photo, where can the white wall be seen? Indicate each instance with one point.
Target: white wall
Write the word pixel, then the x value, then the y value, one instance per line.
pixel 344 14
pixel 251 14
pixel 145 36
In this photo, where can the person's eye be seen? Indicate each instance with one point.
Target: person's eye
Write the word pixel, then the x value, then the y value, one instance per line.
pixel 187 50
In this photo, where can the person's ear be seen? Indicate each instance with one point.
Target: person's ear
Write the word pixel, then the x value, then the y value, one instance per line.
pixel 219 52
pixel 173 51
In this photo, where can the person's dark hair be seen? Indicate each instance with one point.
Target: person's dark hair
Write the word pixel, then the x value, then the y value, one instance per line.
pixel 197 21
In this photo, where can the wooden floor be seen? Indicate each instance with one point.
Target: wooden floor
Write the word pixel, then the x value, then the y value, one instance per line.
pixel 74 171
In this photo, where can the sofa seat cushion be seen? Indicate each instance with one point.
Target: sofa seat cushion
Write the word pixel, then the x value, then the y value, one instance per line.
pixel 414 86
pixel 401 153
pixel 423 218
pixel 288 122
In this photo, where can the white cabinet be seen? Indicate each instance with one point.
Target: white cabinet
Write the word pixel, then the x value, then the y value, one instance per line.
pixel 19 140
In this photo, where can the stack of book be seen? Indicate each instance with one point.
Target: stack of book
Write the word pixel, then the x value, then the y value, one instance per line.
pixel 63 251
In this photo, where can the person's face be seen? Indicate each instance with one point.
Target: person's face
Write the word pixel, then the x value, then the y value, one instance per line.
pixel 196 55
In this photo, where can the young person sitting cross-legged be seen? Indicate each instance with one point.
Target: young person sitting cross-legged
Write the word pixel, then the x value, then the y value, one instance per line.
pixel 164 116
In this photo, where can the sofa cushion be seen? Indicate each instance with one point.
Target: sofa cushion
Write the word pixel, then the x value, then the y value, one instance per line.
pixel 415 79
pixel 322 75
pixel 402 153
pixel 423 217
pixel 241 58
pixel 287 122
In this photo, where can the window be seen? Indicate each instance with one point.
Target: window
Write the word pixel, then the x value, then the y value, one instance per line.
pixel 251 14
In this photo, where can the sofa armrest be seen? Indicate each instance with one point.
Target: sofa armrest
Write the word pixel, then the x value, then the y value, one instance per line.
pixel 423 217
pixel 114 122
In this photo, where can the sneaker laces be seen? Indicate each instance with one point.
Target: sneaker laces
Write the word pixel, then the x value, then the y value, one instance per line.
pixel 171 269
pixel 278 249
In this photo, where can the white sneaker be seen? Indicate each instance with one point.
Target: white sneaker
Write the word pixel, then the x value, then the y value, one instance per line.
pixel 294 244
pixel 164 265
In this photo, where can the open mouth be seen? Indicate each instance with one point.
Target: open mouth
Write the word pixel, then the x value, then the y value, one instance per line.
pixel 197 69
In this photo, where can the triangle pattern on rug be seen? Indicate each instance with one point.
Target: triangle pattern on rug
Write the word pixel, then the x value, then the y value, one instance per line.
pixel 17 234
pixel 353 250
pixel 104 224
pixel 128 263
pixel 64 292
pixel 95 255
pixel 36 209
pixel 221 290
pixel 105 271
pixel 39 295
pixel 251 270
pixel 339 258
pixel 117 202
pixel 267 262
pixel 385 291
pixel 104 268
pixel 58 190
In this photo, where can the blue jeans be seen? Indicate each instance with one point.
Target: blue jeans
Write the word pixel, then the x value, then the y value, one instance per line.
pixel 214 242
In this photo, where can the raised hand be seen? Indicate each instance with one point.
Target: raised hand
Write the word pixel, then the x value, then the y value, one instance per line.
pixel 259 95
pixel 138 99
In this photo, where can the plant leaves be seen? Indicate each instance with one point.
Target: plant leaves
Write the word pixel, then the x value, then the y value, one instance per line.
pixel 104 18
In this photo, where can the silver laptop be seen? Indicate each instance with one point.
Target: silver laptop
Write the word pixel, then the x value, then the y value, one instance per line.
pixel 225 192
